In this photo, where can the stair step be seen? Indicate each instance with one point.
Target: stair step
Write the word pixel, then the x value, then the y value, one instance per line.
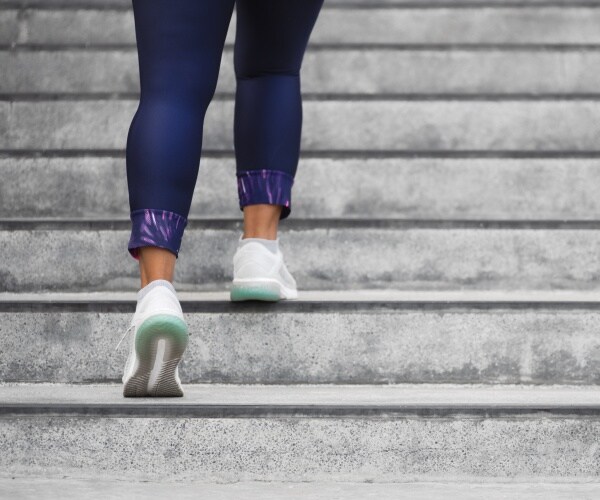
pixel 376 254
pixel 328 71
pixel 480 24
pixel 345 124
pixel 100 488
pixel 403 187
pixel 359 337
pixel 9 26
pixel 482 245
pixel 363 4
pixel 324 401
pixel 229 433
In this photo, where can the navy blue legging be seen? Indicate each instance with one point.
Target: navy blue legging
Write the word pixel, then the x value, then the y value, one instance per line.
pixel 180 44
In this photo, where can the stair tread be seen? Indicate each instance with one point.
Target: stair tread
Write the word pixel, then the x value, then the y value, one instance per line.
pixel 366 295
pixel 459 396
pixel 102 488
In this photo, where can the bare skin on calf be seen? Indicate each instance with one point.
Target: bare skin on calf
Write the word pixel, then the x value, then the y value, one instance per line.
pixel 260 221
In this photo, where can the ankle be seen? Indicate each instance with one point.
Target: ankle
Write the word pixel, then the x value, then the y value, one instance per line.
pixel 269 233
pixel 156 264
pixel 261 221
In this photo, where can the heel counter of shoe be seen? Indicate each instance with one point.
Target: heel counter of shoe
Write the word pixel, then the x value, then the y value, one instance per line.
pixel 161 299
pixel 253 260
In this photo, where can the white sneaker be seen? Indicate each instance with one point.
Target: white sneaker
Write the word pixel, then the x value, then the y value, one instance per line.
pixel 159 340
pixel 259 274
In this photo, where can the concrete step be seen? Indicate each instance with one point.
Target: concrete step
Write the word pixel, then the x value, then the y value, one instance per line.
pixel 358 337
pixel 364 4
pixel 100 489
pixel 404 187
pixel 327 254
pixel 328 71
pixel 303 433
pixel 500 24
pixel 340 124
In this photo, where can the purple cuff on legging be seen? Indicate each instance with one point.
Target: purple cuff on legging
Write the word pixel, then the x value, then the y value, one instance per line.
pixel 155 228
pixel 271 187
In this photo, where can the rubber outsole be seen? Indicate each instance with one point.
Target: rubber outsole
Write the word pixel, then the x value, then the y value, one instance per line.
pixel 152 376
pixel 269 291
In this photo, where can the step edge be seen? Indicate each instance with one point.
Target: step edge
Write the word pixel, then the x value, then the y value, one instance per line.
pixel 561 401
pixel 233 223
pixel 357 299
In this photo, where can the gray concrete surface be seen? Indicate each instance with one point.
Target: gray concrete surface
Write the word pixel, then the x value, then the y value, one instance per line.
pixel 409 257
pixel 329 125
pixel 490 343
pixel 421 26
pixel 452 299
pixel 9 26
pixel 477 396
pixel 436 188
pixel 302 449
pixel 103 489
pixel 126 4
pixel 328 71
pixel 375 342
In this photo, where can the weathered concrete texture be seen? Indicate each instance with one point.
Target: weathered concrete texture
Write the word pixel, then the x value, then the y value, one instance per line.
pixel 8 26
pixel 446 3
pixel 406 258
pixel 101 488
pixel 347 298
pixel 125 4
pixel 494 345
pixel 330 125
pixel 301 449
pixel 92 489
pixel 66 26
pixel 404 26
pixel 500 189
pixel 328 400
pixel 329 71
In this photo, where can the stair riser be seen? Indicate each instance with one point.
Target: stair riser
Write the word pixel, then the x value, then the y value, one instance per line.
pixel 437 72
pixel 329 125
pixel 501 189
pixel 126 4
pixel 444 258
pixel 302 449
pixel 418 26
pixel 441 346
pixel 9 27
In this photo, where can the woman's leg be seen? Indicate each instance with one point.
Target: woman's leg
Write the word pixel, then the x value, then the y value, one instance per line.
pixel 271 39
pixel 180 44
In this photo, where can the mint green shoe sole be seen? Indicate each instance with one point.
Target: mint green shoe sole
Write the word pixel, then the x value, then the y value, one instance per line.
pixel 268 292
pixel 156 377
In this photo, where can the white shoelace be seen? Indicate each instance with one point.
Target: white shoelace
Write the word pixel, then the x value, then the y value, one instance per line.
pixel 124 335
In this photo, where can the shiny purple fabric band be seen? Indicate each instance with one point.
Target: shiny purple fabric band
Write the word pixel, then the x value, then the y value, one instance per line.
pixel 156 228
pixel 271 187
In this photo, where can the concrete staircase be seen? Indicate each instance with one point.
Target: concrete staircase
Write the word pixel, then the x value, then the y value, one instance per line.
pixel 445 239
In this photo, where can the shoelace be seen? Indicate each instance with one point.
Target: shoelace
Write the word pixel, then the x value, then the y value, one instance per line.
pixel 124 335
